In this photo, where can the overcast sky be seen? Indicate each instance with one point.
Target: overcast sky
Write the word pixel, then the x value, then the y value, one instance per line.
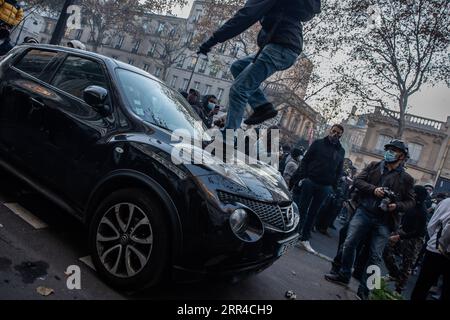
pixel 430 102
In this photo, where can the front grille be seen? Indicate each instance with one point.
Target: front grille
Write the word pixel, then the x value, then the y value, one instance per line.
pixel 270 213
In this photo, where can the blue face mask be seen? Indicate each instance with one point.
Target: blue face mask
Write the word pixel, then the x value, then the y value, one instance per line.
pixel 211 106
pixel 390 156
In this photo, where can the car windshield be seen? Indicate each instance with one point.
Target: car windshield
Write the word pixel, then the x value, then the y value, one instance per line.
pixel 158 104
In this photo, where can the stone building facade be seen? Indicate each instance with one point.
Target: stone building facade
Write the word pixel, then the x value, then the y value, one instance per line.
pixel 428 141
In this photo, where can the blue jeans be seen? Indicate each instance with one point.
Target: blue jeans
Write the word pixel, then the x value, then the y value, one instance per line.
pixel 249 76
pixel 309 198
pixel 360 226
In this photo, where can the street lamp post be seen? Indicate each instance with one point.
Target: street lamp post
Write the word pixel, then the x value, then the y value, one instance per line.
pixel 193 71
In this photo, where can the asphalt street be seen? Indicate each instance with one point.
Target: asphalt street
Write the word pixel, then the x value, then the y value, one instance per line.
pixel 38 245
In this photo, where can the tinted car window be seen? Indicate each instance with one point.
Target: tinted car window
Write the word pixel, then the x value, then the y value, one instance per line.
pixel 35 61
pixel 158 104
pixel 76 74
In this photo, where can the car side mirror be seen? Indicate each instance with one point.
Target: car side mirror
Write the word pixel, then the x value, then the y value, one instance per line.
pixel 96 97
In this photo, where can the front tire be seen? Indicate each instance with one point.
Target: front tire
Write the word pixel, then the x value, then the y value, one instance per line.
pixel 129 240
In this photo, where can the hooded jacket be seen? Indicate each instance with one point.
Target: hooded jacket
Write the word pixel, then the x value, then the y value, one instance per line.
pixel 10 12
pixel 286 15
pixel 439 225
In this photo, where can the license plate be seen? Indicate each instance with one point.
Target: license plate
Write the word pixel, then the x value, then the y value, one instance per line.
pixel 286 246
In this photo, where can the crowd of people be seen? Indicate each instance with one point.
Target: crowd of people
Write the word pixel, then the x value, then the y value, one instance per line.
pixel 385 216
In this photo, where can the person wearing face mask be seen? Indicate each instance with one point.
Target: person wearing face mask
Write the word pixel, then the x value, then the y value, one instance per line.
pixel 207 109
pixel 318 174
pixel 5 42
pixel 377 214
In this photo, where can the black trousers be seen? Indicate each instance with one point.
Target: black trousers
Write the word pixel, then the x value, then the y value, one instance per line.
pixel 433 266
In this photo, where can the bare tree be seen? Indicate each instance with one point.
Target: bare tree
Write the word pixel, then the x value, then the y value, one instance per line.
pixel 107 18
pixel 392 49
pixel 171 46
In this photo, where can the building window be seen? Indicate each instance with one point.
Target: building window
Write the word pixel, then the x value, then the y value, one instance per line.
pixel 120 42
pixel 158 71
pixel 226 75
pixel 79 34
pixel 203 65
pixel 382 141
pixel 207 89
pixel 173 33
pixel 414 151
pixel 222 48
pixel 189 38
pixel 214 71
pixel 235 50
pixel 160 29
pixel 173 83
pixel 185 84
pixel 192 63
pixel 198 14
pixel 180 63
pixel 196 85
pixel 152 49
pixel 220 92
pixel 146 67
pixel 137 44
pixel 131 61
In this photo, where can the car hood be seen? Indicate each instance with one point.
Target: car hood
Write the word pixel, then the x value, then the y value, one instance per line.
pixel 258 180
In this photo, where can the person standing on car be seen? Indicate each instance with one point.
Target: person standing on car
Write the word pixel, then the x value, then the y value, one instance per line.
pixel 436 261
pixel 407 241
pixel 292 163
pixel 280 42
pixel 318 174
pixel 384 190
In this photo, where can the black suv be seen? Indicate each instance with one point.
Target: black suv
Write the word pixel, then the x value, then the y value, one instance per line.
pixel 94 135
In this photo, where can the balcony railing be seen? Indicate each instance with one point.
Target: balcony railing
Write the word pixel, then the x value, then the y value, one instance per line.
pixel 412 120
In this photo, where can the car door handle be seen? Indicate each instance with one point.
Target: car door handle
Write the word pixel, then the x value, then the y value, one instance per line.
pixel 38 102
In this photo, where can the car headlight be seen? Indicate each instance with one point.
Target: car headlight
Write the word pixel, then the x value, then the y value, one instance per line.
pixel 246 225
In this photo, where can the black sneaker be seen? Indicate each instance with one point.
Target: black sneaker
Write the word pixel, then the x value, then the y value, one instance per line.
pixel 334 271
pixel 338 279
pixel 261 114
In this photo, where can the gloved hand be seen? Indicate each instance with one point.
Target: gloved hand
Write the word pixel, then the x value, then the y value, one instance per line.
pixel 206 47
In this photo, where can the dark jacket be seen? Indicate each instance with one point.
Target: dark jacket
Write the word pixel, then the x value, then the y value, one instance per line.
pixel 5 47
pixel 377 175
pixel 289 31
pixel 322 163
pixel 414 223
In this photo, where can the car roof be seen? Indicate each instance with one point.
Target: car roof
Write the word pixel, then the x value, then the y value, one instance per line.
pixel 112 62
